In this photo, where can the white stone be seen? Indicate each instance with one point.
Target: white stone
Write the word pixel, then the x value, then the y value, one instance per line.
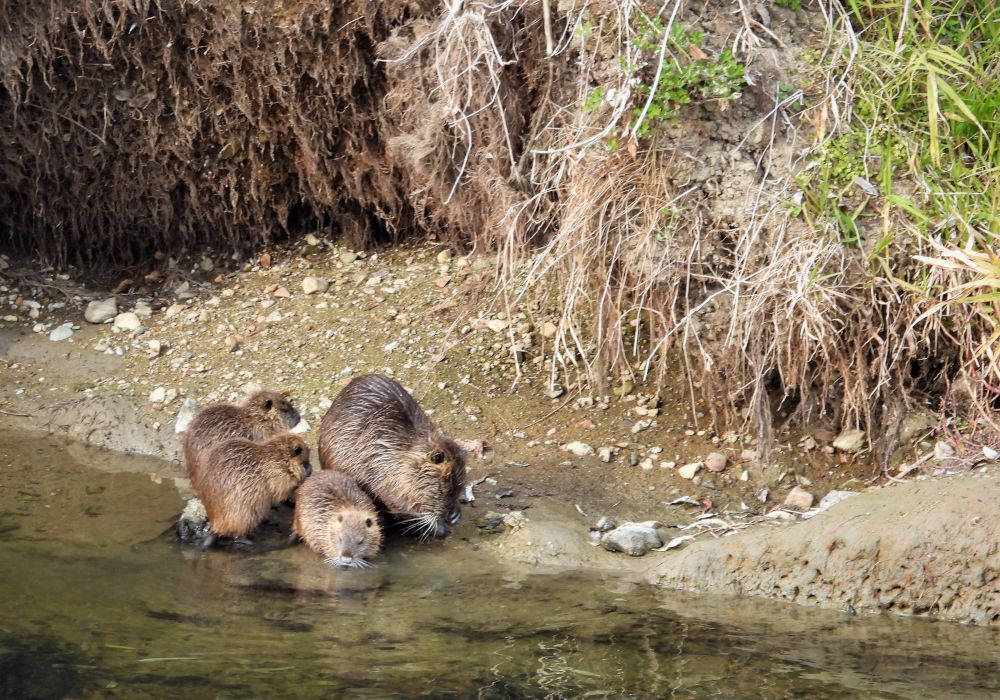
pixel 549 330
pixel 580 449
pixel 312 285
pixel 158 395
pixel 63 332
pixel 688 471
pixel 943 451
pixel 127 321
pixel 101 311
pixel 604 454
pixel 716 462
pixel 497 325
pixel 301 427
pixel 184 417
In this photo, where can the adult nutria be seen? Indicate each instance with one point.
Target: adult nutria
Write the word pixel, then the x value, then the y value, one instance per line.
pixel 261 415
pixel 337 519
pixel 240 480
pixel 378 435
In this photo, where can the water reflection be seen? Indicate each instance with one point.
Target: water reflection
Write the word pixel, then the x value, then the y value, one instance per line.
pixel 94 603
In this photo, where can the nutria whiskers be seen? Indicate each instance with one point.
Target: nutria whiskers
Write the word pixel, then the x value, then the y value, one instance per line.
pixel 240 480
pixel 378 435
pixel 337 520
pixel 261 415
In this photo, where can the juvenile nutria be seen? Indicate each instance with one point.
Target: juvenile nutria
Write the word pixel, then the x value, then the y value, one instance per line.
pixel 337 519
pixel 261 415
pixel 377 434
pixel 240 480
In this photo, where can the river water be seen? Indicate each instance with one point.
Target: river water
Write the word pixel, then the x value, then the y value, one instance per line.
pixel 96 602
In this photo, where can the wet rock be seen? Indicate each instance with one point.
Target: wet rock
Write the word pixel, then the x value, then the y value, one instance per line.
pixel 716 462
pixel 580 449
pixel 128 322
pixel 634 539
pixel 312 285
pixel 688 471
pixel 192 525
pixel 60 333
pixel 943 451
pixel 490 523
pixel 101 311
pixel 850 441
pixel 549 330
pixel 184 417
pixel 604 454
pixel 798 499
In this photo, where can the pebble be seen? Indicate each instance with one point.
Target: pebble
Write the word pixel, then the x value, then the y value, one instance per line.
pixel 989 453
pixel 444 256
pixel 605 523
pixel 497 325
pixel 142 310
pixel 127 321
pixel 348 257
pixel 63 332
pixel 716 462
pixel 158 395
pixel 173 310
pixel 281 293
pixel 798 499
pixel 232 343
pixel 206 264
pixel 634 539
pixel 155 348
pixel 641 425
pixel 580 449
pixel 850 441
pixel 604 454
pixel 943 451
pixel 312 285
pixel 101 311
pixel 184 417
pixel 549 330
pixel 646 465
pixel 689 470
pixel 301 427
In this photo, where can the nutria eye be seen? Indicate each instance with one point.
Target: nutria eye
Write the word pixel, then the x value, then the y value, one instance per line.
pixel 437 457
pixel 268 404
pixel 340 518
pixel 297 451
pixel 368 522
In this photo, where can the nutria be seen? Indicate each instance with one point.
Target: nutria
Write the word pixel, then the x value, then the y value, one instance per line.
pixel 337 520
pixel 261 415
pixel 240 480
pixel 378 435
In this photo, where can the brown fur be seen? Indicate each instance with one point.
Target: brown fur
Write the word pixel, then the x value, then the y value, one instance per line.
pixel 337 519
pixel 241 480
pixel 378 435
pixel 261 415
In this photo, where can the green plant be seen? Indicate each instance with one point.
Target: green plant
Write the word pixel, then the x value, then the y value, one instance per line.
pixel 686 74
pixel 789 4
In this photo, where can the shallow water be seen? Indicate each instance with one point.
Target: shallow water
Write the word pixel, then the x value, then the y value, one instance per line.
pixel 96 604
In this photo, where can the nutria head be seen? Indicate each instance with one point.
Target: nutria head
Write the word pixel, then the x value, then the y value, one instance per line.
pixel 289 466
pixel 355 536
pixel 273 408
pixel 432 476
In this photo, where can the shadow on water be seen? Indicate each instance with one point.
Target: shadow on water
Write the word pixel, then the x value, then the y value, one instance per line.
pixel 95 604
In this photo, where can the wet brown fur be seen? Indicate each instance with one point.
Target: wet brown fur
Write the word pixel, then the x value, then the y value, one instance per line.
pixel 378 435
pixel 258 417
pixel 240 480
pixel 336 519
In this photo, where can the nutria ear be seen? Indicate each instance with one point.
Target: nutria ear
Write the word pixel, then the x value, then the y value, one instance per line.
pixel 268 404
pixel 287 394
pixel 437 457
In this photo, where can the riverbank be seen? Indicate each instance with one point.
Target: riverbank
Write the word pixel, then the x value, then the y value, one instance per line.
pixel 308 319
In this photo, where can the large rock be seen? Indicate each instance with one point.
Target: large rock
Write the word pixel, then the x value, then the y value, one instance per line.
pixel 101 311
pixel 634 539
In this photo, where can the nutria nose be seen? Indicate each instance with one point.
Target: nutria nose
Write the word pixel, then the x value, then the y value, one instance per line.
pixel 347 554
pixel 309 469
pixel 441 529
pixel 454 516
